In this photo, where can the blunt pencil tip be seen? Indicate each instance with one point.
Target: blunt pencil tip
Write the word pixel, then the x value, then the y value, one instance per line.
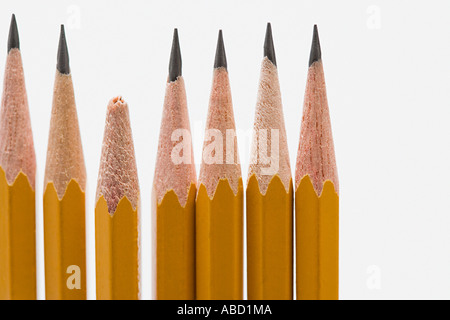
pixel 316 53
pixel 269 50
pixel 13 39
pixel 63 54
pixel 221 58
pixel 175 58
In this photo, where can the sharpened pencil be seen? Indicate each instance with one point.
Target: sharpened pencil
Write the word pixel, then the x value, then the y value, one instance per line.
pixel 64 195
pixel 317 192
pixel 219 204
pixel 17 182
pixel 269 192
pixel 174 190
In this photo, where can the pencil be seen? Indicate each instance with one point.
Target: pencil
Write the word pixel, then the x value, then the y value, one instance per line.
pixel 174 189
pixel 219 205
pixel 17 182
pixel 317 192
pixel 269 192
pixel 64 195
pixel 117 210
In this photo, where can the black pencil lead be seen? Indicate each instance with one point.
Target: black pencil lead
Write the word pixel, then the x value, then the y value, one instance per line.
pixel 63 54
pixel 269 50
pixel 221 58
pixel 13 38
pixel 316 53
pixel 175 58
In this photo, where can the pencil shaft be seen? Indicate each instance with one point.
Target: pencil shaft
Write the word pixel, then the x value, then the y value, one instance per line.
pixel 175 247
pixel 17 239
pixel 65 243
pixel 117 253
pixel 317 242
pixel 219 243
pixel 269 241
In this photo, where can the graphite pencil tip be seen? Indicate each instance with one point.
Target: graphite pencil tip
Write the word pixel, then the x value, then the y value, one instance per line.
pixel 269 50
pixel 221 58
pixel 13 39
pixel 62 63
pixel 316 53
pixel 175 58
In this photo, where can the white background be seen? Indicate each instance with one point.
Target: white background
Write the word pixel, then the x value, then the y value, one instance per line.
pixel 387 70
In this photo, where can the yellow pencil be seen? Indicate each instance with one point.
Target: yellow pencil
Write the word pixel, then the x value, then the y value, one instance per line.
pixel 317 192
pixel 174 190
pixel 17 182
pixel 269 192
pixel 117 210
pixel 64 196
pixel 219 205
